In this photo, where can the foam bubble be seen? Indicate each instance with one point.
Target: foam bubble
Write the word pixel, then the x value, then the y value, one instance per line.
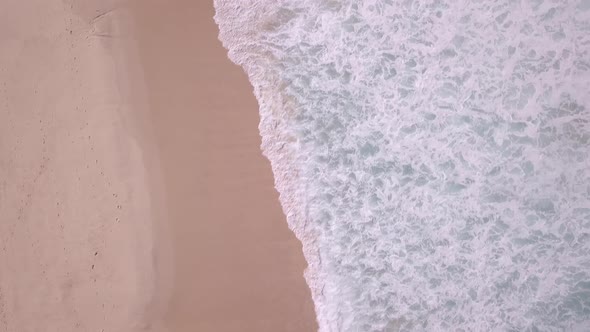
pixel 432 156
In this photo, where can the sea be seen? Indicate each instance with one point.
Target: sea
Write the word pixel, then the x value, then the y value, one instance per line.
pixel 433 156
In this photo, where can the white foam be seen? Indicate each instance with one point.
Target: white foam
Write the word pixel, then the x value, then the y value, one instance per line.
pixel 432 156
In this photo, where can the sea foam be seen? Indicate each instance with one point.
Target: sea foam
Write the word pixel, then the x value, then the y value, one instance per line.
pixel 432 156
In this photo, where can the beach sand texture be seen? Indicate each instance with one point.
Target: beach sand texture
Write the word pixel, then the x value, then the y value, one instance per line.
pixel 133 194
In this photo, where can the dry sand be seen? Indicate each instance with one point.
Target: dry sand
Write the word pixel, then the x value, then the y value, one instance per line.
pixel 133 194
pixel 75 211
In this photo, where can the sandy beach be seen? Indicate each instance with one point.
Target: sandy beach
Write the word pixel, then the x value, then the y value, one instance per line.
pixel 133 193
pixel 76 214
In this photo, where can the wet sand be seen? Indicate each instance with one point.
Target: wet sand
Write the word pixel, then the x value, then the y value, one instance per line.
pixel 237 265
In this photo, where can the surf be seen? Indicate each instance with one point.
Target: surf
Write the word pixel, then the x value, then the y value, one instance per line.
pixel 431 156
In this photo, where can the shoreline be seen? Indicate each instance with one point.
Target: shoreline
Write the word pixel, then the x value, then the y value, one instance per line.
pixel 278 145
pixel 231 244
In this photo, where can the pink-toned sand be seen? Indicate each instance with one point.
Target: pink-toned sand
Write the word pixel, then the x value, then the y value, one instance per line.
pixel 133 194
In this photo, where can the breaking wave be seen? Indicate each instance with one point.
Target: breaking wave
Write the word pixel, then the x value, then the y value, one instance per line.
pixel 432 156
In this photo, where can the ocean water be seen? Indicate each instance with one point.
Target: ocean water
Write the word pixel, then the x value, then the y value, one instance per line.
pixel 432 156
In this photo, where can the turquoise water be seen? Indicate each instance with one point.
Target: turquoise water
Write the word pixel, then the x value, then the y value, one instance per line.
pixel 432 156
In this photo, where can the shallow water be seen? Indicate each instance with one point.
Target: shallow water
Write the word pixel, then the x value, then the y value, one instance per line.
pixel 432 156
